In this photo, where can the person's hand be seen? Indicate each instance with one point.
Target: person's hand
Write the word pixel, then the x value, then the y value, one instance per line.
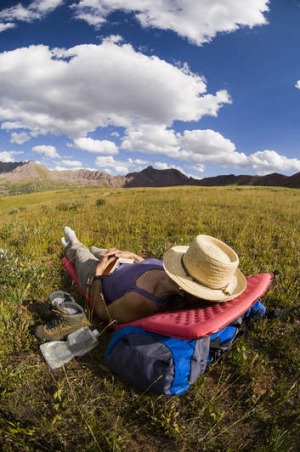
pixel 129 255
pixel 107 259
pixel 110 252
pixel 118 253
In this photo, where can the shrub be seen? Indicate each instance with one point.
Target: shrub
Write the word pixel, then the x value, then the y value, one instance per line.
pixel 100 202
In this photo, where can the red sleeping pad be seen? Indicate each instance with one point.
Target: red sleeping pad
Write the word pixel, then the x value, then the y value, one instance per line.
pixel 199 322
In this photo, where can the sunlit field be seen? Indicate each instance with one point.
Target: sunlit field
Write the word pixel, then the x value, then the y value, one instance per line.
pixel 248 401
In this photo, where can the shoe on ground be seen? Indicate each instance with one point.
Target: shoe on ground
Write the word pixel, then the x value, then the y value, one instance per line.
pixel 63 324
pixel 59 297
pixel 47 311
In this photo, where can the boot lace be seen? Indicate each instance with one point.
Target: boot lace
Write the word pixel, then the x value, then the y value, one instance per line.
pixel 56 323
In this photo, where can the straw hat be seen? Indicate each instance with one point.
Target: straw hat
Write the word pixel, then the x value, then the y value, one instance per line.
pixel 208 269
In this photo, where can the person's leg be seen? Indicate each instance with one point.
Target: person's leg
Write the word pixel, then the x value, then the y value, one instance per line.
pixel 97 251
pixel 84 261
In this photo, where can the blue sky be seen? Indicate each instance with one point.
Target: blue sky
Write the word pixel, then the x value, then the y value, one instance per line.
pixel 204 86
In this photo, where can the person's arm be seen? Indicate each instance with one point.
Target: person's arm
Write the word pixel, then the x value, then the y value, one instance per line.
pixel 130 307
pixel 129 255
pixel 97 299
pixel 123 254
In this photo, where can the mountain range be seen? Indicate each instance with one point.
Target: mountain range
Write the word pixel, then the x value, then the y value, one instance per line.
pixel 25 172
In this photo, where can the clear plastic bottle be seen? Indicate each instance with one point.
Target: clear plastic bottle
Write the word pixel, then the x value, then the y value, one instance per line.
pixel 82 341
pixel 56 353
pixel 78 343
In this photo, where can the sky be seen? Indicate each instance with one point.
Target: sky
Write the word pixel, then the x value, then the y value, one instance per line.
pixel 208 87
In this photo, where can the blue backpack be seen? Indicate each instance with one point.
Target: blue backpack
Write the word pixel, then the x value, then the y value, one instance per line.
pixel 164 365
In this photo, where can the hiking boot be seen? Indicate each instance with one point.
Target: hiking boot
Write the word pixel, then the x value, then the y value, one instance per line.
pixel 63 324
pixel 47 311
pixel 59 297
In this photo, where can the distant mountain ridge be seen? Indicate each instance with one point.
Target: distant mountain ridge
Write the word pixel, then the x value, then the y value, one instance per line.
pixel 148 177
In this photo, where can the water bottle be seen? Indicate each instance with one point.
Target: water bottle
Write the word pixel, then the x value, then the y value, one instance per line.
pixel 82 341
pixel 56 353
pixel 78 343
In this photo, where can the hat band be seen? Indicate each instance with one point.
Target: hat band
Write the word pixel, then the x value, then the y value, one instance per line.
pixel 224 288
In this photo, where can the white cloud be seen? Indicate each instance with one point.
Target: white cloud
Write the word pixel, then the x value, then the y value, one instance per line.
pixel 11 125
pixel 19 138
pixel 36 10
pixel 208 146
pixel 202 147
pixel 197 20
pixel 297 84
pixel 72 163
pixel 7 156
pixel 17 12
pixel 110 165
pixel 199 168
pixel 48 151
pixel 153 139
pixel 164 166
pixel 198 146
pixel 96 146
pixel 206 142
pixel 138 162
pixel 77 90
pixel 45 6
pixel 134 165
pixel 266 162
pixel 6 26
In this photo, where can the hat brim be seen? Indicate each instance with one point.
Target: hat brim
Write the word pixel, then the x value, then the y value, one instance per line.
pixel 172 261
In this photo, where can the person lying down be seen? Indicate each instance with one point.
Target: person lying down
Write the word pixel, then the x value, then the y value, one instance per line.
pixel 125 287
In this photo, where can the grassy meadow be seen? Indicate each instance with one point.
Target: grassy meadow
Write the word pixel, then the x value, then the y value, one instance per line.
pixel 248 402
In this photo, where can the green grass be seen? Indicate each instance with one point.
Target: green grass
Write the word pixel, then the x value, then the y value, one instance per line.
pixel 248 402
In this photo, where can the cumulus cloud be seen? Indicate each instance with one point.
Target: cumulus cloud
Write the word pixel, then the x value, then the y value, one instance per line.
pixel 201 147
pixel 298 84
pixel 198 21
pixel 19 138
pixel 198 146
pixel 68 165
pixel 152 139
pixel 96 146
pixel 265 162
pixel 8 156
pixel 71 163
pixel 199 168
pixel 37 9
pixel 48 151
pixel 110 165
pixel 88 86
pixel 138 162
pixel 164 166
pixel 208 146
